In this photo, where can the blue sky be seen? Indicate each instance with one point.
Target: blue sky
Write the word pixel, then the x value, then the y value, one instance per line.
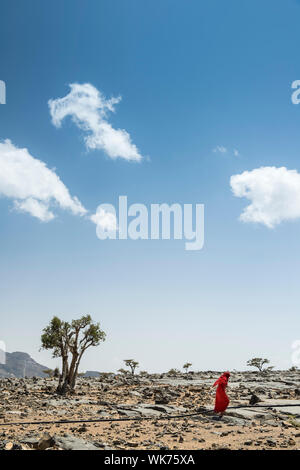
pixel 193 76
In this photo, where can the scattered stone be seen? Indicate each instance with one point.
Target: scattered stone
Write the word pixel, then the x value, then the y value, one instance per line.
pixel 153 396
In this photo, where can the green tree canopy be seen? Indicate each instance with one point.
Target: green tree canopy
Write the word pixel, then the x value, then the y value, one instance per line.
pixel 69 341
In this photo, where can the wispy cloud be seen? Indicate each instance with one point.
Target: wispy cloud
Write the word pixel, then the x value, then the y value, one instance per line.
pixel 274 194
pixel 220 149
pixel 32 186
pixel 223 150
pixel 88 108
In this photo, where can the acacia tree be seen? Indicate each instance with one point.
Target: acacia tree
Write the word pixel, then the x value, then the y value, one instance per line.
pixel 132 364
pixel 259 363
pixel 69 341
pixel 187 365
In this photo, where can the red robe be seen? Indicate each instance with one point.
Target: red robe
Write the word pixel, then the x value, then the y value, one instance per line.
pixel 222 400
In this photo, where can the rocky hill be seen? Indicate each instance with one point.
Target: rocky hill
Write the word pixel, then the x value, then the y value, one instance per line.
pixel 20 364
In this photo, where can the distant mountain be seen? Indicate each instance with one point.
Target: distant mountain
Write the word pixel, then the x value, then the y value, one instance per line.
pixel 20 364
pixel 92 373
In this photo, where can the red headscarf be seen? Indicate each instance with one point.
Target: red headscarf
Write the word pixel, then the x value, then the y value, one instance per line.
pixel 223 379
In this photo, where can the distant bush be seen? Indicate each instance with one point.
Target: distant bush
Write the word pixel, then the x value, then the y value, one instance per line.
pixel 259 363
pixel 173 372
pixel 132 364
pixel 187 365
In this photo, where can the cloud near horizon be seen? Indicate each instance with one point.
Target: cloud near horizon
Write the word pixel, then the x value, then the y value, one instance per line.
pixel 88 108
pixel 32 186
pixel 274 194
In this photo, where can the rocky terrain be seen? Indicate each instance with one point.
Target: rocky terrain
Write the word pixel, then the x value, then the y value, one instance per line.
pixel 158 397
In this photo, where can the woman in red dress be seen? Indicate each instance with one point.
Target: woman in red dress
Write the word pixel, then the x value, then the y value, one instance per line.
pixel 222 400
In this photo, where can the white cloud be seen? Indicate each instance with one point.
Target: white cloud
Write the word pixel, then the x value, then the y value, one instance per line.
pixel 274 194
pixel 220 149
pixel 36 208
pixel 88 108
pixel 105 219
pixel 33 187
pixel 236 153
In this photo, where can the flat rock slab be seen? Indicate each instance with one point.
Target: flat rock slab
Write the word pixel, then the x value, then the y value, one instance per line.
pixel 74 443
pixel 149 410
pixel 250 414
pixel 67 442
pixel 235 421
pixel 293 410
pixel 267 413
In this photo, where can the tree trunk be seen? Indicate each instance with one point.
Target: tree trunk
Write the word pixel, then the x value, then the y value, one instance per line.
pixel 73 383
pixel 62 384
pixel 71 374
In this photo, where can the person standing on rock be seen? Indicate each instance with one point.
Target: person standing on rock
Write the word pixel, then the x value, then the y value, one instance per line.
pixel 222 400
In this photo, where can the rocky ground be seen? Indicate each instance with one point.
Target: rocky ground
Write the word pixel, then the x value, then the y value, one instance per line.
pixel 155 396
